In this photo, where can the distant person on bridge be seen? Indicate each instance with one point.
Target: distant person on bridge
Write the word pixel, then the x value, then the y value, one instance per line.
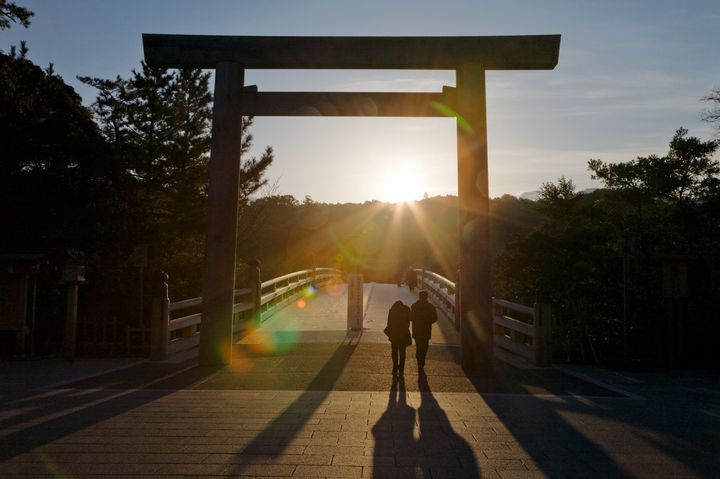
pixel 422 315
pixel 411 278
pixel 398 332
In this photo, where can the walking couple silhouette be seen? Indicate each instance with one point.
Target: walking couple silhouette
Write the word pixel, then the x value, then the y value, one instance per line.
pixel 422 438
pixel 421 315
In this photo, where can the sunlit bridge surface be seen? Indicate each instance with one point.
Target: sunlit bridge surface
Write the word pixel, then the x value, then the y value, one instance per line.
pixel 324 319
pixel 304 398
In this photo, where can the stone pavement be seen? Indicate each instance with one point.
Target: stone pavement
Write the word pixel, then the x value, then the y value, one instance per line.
pixel 332 409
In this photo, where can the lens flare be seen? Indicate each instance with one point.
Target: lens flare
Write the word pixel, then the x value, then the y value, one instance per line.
pixel 335 288
pixel 300 304
pixel 357 237
pixel 450 113
pixel 240 362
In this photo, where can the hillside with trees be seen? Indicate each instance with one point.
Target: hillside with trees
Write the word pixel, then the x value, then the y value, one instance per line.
pixel 635 262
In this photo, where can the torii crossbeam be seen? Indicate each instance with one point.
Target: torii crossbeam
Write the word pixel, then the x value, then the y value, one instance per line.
pixel 470 57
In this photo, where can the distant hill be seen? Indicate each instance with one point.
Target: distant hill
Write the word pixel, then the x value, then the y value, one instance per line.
pixel 533 195
pixel 381 238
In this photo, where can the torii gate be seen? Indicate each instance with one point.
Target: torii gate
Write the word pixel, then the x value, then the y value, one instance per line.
pixel 470 57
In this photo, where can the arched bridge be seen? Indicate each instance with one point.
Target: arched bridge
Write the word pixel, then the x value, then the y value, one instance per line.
pixel 310 306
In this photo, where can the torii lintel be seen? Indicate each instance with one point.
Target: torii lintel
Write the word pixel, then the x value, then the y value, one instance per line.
pixel 512 52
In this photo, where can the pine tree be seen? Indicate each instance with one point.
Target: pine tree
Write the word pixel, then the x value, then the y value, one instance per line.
pixel 159 122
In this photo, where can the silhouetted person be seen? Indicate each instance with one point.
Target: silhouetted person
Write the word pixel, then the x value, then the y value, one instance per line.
pixel 411 278
pixel 422 315
pixel 398 332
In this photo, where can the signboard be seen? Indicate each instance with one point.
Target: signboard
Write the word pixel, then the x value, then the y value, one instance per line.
pixel 355 302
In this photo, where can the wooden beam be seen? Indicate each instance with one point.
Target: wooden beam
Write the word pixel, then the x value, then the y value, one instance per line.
pixel 517 52
pixel 348 104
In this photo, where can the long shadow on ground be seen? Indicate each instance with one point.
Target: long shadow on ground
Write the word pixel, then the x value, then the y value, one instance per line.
pixel 279 434
pixel 122 391
pixel 597 435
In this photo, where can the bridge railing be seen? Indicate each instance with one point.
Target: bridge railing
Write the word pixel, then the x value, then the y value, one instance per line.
pixel 521 330
pixel 441 292
pixel 279 292
pixel 176 325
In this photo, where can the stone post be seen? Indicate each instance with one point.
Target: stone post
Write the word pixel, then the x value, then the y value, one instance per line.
pixel 216 332
pixel 476 324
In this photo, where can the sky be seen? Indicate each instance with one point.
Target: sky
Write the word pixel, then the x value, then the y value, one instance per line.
pixel 629 74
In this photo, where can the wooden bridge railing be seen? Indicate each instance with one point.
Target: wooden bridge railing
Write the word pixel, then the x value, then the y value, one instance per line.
pixel 441 291
pixel 171 333
pixel 521 330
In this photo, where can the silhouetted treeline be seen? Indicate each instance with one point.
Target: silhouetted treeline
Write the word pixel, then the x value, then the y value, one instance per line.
pixel 643 251
pixel 125 181
pixel 376 238
pixel 641 254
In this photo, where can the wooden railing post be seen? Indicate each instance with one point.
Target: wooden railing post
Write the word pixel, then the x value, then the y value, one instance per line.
pixel 256 288
pixel 458 302
pixel 314 270
pixel 497 311
pixel 542 334
pixel 159 327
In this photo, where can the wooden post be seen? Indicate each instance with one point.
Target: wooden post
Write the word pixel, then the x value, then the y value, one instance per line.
pixel 32 316
pixel 216 333
pixel 542 334
pixel 70 339
pixel 21 335
pixel 497 311
pixel 314 270
pixel 476 338
pixel 458 316
pixel 160 322
pixel 256 287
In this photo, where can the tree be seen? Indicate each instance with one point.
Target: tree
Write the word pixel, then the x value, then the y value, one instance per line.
pixel 159 123
pixel 56 177
pixel 591 251
pixel 686 174
pixel 11 13
pixel 712 114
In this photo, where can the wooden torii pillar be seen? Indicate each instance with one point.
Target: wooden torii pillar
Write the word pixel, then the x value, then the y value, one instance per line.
pixel 470 57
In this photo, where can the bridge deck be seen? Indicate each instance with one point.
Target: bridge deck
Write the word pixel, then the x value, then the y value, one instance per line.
pixel 312 405
pixel 323 318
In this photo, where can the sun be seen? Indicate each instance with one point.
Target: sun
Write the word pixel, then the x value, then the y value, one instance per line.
pixel 402 185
